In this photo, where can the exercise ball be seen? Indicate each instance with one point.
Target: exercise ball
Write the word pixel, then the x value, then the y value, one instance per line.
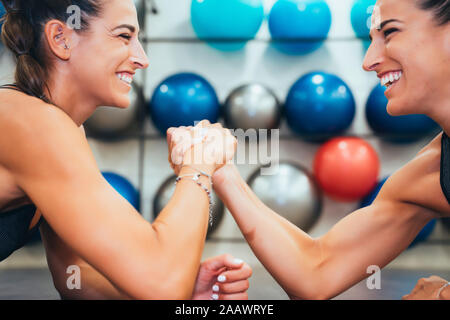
pixel 361 16
pixel 252 106
pixel 346 168
pixel 227 25
pixel 167 189
pixel 299 26
pixel 182 99
pixel 291 192
pixel 124 188
pixel 319 105
pixel 406 128
pixel 2 13
pixel 111 122
pixel 423 234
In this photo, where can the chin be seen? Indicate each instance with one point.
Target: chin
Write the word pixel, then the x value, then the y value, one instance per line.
pixel 397 107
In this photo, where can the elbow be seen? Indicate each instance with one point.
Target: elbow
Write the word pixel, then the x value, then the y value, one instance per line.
pixel 169 288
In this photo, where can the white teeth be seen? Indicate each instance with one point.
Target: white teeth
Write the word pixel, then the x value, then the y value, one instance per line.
pixel 390 78
pixel 125 78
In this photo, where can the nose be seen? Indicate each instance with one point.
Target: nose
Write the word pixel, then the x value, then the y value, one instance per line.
pixel 374 56
pixel 139 57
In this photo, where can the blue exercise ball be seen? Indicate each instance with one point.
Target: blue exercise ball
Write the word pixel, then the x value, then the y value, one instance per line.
pixel 124 188
pixel 227 25
pixel 181 100
pixel 361 16
pixel 299 26
pixel 423 234
pixel 319 105
pixel 2 13
pixel 399 128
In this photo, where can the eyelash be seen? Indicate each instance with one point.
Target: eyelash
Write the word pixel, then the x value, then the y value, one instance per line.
pixel 389 31
pixel 125 36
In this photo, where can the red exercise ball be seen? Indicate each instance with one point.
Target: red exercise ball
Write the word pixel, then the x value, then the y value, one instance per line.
pixel 346 168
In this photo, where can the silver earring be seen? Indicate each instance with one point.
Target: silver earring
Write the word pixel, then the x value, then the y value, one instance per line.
pixel 66 46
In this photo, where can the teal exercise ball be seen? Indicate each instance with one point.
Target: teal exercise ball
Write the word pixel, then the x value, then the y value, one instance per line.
pixel 361 15
pixel 227 24
pixel 299 27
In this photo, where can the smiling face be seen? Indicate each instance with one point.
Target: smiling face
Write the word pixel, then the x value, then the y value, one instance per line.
pixel 410 53
pixel 105 58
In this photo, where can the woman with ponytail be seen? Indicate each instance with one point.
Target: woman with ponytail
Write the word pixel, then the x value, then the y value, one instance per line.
pixel 49 178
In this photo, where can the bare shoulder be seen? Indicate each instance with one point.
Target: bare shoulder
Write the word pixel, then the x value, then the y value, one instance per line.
pixel 33 129
pixel 418 182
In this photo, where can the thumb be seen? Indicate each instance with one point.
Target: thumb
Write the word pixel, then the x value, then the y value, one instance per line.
pixel 225 260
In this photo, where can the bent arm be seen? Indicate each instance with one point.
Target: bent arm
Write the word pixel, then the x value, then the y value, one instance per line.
pixel 52 162
pixel 321 268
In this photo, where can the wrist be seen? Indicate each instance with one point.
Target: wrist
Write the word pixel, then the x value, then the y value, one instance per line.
pixel 445 293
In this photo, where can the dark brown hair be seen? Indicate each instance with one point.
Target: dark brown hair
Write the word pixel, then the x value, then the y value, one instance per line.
pixel 440 8
pixel 22 34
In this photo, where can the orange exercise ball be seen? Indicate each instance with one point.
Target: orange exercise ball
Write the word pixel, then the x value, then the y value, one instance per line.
pixel 346 168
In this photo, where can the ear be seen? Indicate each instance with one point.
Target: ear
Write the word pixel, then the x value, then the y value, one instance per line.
pixel 59 37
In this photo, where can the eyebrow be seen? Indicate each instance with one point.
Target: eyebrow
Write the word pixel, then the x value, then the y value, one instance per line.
pixel 127 26
pixel 383 24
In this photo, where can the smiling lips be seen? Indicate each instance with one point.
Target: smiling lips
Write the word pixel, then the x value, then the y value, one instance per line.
pixel 389 78
pixel 125 77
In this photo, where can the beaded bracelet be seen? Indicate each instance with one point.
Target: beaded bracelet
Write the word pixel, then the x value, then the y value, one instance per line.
pixel 202 173
pixel 196 177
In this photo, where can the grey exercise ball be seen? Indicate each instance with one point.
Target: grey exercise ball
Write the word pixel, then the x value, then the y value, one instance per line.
pixel 252 106
pixel 166 191
pixel 112 121
pixel 292 193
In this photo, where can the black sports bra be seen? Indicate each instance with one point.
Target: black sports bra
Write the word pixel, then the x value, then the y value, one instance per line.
pixel 445 166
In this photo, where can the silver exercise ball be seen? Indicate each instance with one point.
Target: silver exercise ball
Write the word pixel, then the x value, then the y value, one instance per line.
pixel 291 192
pixel 166 191
pixel 112 121
pixel 252 106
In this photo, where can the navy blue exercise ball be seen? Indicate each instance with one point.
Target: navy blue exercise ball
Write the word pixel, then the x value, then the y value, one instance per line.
pixel 2 13
pixel 399 128
pixel 124 188
pixel 299 26
pixel 319 105
pixel 361 17
pixel 182 99
pixel 423 234
pixel 229 20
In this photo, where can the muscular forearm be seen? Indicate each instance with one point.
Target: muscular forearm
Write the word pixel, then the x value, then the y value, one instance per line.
pixel 289 254
pixel 181 231
pixel 323 267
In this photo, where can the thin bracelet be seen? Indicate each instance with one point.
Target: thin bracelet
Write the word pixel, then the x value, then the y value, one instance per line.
pixel 208 192
pixel 440 290
pixel 200 172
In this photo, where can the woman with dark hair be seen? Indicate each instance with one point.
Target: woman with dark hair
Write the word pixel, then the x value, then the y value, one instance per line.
pixel 410 52
pixel 65 70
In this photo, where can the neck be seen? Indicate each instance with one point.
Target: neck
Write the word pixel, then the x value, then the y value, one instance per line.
pixel 65 94
pixel 440 112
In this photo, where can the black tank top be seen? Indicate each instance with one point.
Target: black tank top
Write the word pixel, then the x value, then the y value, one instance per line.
pixel 14 224
pixel 445 166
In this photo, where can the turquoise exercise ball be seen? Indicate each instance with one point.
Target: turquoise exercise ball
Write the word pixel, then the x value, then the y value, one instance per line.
pixel 227 24
pixel 124 188
pixel 183 99
pixel 423 234
pixel 299 26
pixel 2 13
pixel 361 15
